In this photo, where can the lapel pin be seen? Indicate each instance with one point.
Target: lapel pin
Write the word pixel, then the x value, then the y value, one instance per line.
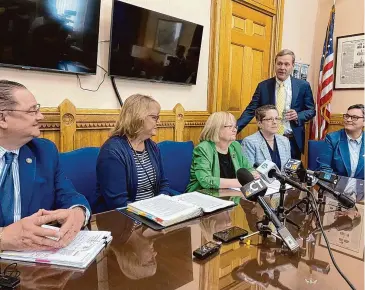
pixel 29 160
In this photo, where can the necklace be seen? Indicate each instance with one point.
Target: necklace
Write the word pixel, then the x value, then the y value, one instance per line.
pixel 135 154
pixel 142 155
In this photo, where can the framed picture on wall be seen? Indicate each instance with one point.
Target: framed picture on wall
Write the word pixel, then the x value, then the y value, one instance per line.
pixel 350 62
pixel 300 71
pixel 167 36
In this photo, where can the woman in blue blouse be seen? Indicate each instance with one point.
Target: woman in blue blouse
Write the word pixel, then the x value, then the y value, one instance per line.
pixel 129 166
pixel 266 144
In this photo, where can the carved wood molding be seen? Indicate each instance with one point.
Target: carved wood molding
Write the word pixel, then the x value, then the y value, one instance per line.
pixel 195 124
pixel 336 119
pixel 100 119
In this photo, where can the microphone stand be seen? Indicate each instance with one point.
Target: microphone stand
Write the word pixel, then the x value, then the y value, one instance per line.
pixel 264 230
pixel 308 207
pixel 280 211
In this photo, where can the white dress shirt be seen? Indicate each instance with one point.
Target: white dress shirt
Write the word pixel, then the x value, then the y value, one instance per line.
pixel 15 170
pixel 16 180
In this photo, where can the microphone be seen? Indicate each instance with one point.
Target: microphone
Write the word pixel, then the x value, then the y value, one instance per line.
pixel 342 198
pixel 295 166
pixel 254 190
pixel 265 168
pixel 269 172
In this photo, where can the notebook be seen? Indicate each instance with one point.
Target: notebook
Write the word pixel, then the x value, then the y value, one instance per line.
pixel 79 253
pixel 166 210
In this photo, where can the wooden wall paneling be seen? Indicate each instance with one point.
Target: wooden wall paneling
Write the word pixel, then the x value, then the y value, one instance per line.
pixel 71 128
pixel 67 126
pixel 53 135
pixel 50 125
pixel 194 124
pixel 179 122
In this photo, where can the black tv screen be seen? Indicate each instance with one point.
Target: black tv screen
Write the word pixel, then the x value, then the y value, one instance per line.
pixel 56 35
pixel 147 45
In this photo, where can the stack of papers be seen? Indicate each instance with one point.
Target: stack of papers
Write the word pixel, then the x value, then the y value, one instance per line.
pixel 79 253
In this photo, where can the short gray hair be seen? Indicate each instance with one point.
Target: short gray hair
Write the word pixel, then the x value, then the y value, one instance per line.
pixel 6 93
pixel 285 52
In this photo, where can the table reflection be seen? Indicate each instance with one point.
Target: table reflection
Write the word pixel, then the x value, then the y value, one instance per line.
pixel 141 258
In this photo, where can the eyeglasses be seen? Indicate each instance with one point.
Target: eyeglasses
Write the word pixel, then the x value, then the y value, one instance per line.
pixel 232 127
pixel 352 117
pixel 155 117
pixel 277 119
pixel 33 111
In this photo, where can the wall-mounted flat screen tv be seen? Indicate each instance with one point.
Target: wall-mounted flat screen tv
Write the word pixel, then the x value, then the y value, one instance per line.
pixel 55 35
pixel 147 45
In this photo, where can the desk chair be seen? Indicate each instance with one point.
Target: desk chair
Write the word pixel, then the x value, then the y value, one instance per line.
pixel 176 161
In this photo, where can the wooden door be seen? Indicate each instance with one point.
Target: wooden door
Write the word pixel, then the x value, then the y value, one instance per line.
pixel 245 53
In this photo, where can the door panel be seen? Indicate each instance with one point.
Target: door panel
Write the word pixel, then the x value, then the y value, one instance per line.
pixel 244 55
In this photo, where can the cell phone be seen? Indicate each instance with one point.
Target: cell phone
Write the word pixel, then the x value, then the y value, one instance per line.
pixel 230 234
pixel 206 250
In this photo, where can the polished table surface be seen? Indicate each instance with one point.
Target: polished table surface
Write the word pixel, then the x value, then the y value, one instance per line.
pixel 140 258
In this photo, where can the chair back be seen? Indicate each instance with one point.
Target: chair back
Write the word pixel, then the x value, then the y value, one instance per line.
pixel 176 161
pixel 80 167
pixel 314 150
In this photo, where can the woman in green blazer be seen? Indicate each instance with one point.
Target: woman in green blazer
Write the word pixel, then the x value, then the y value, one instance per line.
pixel 218 156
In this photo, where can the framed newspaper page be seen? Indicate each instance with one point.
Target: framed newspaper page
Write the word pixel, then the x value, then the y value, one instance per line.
pixel 350 62
pixel 344 231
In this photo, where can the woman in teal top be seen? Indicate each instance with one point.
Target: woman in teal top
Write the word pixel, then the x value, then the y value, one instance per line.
pixel 218 156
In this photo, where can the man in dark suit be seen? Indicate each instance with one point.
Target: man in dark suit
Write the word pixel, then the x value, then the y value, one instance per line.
pixel 292 97
pixel 33 188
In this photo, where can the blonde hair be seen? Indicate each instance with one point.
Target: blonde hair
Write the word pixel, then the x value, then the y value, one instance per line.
pixel 132 115
pixel 215 122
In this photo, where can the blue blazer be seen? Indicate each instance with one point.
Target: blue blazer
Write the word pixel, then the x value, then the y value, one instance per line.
pixel 42 181
pixel 254 147
pixel 302 102
pixel 336 158
pixel 117 175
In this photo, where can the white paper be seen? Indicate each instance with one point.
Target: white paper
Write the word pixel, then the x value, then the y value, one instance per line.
pixel 205 202
pixel 272 188
pixel 162 206
pixel 78 253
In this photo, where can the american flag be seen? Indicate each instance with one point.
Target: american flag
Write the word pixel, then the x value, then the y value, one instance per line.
pixel 325 84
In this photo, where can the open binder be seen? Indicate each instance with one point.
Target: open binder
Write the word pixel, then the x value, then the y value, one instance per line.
pixel 163 211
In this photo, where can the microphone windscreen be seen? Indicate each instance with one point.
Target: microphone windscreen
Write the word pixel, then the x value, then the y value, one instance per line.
pixel 244 176
pixel 256 164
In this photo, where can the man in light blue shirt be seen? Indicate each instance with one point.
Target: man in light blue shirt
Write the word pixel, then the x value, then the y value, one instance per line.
pixel 33 188
pixel 345 153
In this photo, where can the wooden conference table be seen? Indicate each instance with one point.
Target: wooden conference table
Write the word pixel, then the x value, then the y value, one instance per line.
pixel 140 258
